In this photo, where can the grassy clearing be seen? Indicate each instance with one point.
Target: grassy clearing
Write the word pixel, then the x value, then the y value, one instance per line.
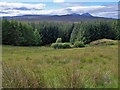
pixel 45 67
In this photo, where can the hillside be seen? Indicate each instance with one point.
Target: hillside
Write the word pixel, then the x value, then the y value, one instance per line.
pixel 63 18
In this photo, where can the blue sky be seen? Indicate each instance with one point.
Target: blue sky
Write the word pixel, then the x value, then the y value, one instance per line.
pixel 60 0
pixel 100 8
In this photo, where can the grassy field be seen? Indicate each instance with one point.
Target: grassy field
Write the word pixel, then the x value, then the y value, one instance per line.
pixel 45 67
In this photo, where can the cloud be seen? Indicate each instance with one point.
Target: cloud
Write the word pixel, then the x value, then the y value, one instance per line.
pixel 15 9
pixel 83 9
pixel 33 12
pixel 58 1
pixel 110 11
pixel 113 14
pixel 73 4
pixel 14 6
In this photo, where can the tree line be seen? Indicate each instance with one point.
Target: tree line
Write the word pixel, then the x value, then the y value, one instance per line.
pixel 94 30
pixel 42 33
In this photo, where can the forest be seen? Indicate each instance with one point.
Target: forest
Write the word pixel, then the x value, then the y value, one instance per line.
pixel 34 54
pixel 37 33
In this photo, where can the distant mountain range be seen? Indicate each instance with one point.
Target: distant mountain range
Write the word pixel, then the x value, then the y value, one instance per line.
pixel 64 18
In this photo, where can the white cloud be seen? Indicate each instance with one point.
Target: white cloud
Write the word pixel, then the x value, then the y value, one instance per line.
pixel 58 1
pixel 100 11
pixel 73 4
pixel 34 12
pixel 113 14
pixel 84 9
pixel 9 9
pixel 6 5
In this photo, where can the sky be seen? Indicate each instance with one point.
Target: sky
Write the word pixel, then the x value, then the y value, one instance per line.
pixel 100 8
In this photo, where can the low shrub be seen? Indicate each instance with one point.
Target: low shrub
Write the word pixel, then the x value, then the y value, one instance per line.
pixel 60 45
pixel 59 40
pixel 66 45
pixel 104 42
pixel 54 45
pixel 79 44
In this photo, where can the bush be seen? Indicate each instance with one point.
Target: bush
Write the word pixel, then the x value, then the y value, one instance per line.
pixel 59 40
pixel 79 44
pixel 66 45
pixel 60 45
pixel 54 45
pixel 104 42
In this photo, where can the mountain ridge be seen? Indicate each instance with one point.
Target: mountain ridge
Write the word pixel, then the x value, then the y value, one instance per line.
pixel 64 18
pixel 86 14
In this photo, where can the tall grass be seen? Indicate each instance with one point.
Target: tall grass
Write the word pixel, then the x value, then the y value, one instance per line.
pixel 91 67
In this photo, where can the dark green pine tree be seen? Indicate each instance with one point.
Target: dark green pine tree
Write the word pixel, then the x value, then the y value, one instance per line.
pixel 75 32
pixel 38 40
pixel 49 32
pixel 27 35
pixel 11 33
pixel 5 31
